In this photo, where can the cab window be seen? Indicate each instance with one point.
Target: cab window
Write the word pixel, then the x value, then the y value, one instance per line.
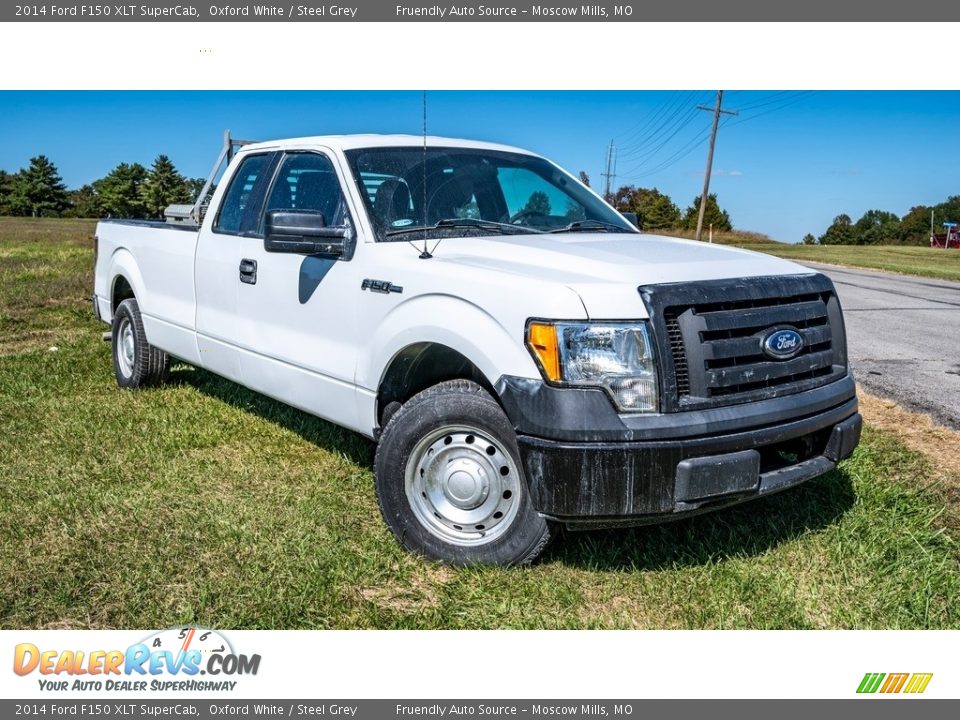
pixel 240 194
pixel 308 181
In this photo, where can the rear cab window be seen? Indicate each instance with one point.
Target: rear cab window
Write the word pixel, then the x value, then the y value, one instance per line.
pixel 244 196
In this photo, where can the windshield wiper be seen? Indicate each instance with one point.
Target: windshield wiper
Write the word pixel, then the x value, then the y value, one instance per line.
pixel 589 226
pixel 504 228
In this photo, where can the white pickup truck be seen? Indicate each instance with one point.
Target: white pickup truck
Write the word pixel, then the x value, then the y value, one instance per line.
pixel 523 355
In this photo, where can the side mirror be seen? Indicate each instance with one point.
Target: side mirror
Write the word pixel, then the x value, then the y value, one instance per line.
pixel 304 232
pixel 632 217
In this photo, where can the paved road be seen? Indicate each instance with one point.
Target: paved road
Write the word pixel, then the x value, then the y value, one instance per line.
pixel 903 335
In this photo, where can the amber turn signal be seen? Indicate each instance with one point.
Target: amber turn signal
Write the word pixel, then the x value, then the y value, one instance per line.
pixel 542 341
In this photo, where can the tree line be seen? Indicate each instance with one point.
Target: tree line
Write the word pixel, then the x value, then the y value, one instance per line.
pixel 880 227
pixel 657 211
pixel 132 191
pixel 129 191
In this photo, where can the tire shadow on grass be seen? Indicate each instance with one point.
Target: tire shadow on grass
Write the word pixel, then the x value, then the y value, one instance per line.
pixel 746 530
pixel 749 529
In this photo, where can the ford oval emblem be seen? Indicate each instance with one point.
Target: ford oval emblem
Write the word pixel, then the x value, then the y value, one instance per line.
pixel 782 344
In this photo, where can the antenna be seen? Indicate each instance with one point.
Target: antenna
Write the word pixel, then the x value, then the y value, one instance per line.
pixel 425 255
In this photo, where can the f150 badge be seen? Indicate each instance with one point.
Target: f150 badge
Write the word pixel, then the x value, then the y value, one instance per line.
pixel 782 344
pixel 380 286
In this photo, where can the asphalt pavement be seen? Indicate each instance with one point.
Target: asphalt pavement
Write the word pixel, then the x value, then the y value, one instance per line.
pixel 903 337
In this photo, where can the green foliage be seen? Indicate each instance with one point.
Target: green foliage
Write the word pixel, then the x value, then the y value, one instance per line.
pixel 538 203
pixel 163 186
pixel 38 190
pixel 809 239
pixel 6 189
pixel 654 209
pixel 915 226
pixel 879 227
pixel 120 191
pixel 713 215
pixel 84 203
pixel 195 185
pixel 840 231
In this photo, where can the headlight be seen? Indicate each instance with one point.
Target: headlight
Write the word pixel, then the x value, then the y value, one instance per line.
pixel 615 356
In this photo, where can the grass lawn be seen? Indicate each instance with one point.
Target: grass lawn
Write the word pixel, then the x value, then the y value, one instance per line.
pixel 201 502
pixel 926 262
pixel 922 261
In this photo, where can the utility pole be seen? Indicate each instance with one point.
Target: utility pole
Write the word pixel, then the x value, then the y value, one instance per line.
pixel 610 171
pixel 717 112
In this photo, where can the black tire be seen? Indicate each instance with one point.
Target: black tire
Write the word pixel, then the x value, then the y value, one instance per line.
pixel 148 365
pixel 455 405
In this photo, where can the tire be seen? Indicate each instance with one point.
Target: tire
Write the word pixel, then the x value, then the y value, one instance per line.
pixel 136 363
pixel 450 483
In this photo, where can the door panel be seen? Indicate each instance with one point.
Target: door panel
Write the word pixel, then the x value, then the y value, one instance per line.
pixel 298 322
pixel 220 250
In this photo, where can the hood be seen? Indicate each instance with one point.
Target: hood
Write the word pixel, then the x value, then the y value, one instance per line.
pixel 606 269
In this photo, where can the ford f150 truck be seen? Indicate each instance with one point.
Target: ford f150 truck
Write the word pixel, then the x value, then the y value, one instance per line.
pixel 523 355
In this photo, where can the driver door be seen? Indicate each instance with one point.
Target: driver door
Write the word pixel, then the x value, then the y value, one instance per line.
pixel 298 319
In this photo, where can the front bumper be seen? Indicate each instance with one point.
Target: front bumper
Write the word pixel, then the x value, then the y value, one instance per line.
pixel 680 468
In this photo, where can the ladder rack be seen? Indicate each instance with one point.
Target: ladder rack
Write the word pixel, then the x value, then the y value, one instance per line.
pixel 193 214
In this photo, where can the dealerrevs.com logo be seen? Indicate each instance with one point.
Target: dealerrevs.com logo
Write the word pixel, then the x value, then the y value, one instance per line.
pixel 891 683
pixel 178 659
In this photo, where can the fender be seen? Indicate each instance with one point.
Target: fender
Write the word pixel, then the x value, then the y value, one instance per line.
pixel 446 320
pixel 123 264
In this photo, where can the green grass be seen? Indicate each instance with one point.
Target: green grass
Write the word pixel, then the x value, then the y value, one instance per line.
pixel 909 260
pixel 201 502
pixel 922 261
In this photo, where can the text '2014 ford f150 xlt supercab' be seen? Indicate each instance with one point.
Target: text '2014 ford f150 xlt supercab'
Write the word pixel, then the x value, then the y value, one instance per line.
pixel 523 355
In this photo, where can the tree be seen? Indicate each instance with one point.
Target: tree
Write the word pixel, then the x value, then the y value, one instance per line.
pixel 163 186
pixel 38 190
pixel 713 215
pixel 6 188
pixel 85 203
pixel 655 211
pixel 584 178
pixel 622 198
pixel 809 239
pixel 876 227
pixel 915 226
pixel 195 185
pixel 538 203
pixel 119 191
pixel 840 231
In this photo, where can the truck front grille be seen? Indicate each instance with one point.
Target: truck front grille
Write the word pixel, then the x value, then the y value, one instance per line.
pixel 710 338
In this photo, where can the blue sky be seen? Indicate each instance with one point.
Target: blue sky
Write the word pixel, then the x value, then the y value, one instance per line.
pixel 785 166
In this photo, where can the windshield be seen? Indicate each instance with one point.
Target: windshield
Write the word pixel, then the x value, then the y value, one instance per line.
pixel 464 191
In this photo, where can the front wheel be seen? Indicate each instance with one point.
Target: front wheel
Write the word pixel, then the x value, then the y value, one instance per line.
pixel 450 483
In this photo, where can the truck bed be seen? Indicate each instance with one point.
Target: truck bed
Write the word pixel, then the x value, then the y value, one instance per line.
pixel 156 224
pixel 156 259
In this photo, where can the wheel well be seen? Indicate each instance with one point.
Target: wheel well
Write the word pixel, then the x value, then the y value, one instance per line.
pixel 422 365
pixel 121 291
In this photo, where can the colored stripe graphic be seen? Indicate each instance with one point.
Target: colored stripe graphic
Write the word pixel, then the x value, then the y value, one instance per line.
pixel 894 683
pixel 870 682
pixel 918 682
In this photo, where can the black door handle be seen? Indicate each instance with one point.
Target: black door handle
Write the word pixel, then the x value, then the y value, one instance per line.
pixel 248 271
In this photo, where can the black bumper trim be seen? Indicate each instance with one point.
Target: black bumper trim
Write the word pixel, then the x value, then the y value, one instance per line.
pixel 634 483
pixel 588 415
